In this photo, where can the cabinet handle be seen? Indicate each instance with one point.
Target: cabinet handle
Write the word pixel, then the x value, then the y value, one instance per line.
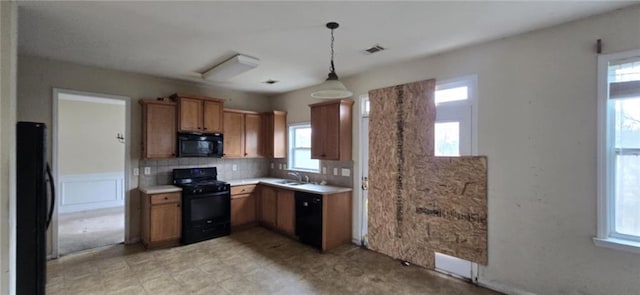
pixel 199 128
pixel 246 154
pixel 205 128
pixel 243 190
pixel 166 198
pixel 178 205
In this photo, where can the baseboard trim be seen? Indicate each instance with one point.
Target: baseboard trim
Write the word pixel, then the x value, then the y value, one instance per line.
pixel 496 286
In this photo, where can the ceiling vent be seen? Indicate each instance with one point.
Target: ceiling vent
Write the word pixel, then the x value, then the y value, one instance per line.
pixel 271 81
pixel 373 49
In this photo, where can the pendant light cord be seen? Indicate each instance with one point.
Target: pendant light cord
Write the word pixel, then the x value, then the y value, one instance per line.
pixel 332 69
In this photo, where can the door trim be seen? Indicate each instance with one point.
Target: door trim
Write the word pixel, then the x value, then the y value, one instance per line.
pixel 127 161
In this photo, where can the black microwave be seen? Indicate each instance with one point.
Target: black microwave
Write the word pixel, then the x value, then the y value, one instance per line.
pixel 200 145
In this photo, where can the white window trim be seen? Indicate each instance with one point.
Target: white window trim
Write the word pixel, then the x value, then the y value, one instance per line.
pixel 290 149
pixel 606 237
pixel 471 82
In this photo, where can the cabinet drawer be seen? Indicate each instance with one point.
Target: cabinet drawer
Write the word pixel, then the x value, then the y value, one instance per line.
pixel 242 189
pixel 165 198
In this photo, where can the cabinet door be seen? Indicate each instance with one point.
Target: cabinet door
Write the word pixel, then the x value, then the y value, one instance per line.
pixel 190 114
pixel 331 132
pixel 160 131
pixel 279 135
pixel 243 209
pixel 212 116
pixel 268 201
pixel 165 222
pixel 253 135
pixel 233 135
pixel 286 220
pixel 317 132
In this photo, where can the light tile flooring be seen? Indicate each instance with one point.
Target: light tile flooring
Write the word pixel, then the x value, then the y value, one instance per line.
pixel 255 261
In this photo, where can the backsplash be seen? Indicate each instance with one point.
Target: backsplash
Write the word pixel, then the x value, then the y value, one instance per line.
pixel 161 170
pixel 279 170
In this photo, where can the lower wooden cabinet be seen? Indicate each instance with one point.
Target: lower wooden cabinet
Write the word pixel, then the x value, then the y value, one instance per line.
pixel 277 209
pixel 286 213
pixel 243 206
pixel 161 219
pixel 268 206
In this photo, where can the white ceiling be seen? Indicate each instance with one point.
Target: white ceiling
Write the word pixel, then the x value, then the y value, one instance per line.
pixel 179 39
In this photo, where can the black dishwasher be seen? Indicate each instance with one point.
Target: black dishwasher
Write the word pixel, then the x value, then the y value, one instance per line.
pixel 309 219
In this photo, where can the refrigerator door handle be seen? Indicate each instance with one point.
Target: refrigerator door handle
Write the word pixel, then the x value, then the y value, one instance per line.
pixel 53 195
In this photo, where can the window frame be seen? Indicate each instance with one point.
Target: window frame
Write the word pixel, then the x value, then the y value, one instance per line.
pixel 463 111
pixel 606 235
pixel 291 147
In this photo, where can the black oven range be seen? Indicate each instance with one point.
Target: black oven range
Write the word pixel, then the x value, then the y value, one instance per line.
pixel 206 204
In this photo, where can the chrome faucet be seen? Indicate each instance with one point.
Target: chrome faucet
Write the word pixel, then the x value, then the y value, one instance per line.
pixel 306 178
pixel 296 174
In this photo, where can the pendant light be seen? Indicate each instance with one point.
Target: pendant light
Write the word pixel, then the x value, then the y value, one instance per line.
pixel 332 87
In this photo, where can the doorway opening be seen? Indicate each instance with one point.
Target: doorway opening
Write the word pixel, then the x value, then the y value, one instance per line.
pixel 90 147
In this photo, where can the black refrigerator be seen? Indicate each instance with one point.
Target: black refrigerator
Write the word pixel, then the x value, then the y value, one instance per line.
pixel 34 206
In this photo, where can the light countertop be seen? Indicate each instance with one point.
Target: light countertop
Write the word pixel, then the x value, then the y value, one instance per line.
pixel 160 189
pixel 308 187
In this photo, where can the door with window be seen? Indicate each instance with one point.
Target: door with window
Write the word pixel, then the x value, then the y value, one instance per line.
pixel 454 135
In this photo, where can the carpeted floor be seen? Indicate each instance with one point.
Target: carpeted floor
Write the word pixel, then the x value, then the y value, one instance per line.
pixel 90 229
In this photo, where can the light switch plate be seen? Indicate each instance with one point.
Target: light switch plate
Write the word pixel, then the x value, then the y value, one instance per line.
pixel 136 171
pixel 147 170
pixel 234 167
pixel 272 165
pixel 335 171
pixel 346 172
pixel 280 166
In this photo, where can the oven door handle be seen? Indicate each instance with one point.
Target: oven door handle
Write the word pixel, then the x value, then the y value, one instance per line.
pixel 206 195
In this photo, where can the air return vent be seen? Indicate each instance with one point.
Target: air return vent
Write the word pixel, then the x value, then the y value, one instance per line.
pixel 373 49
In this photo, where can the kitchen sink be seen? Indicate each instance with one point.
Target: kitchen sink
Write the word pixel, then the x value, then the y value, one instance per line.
pixel 289 182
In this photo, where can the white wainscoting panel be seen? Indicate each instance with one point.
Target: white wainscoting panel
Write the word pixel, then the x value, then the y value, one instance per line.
pixel 90 191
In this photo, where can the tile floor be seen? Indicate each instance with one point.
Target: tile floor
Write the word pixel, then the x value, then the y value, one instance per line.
pixel 255 261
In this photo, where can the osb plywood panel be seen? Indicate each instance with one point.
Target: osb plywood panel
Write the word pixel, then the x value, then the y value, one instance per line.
pixel 420 204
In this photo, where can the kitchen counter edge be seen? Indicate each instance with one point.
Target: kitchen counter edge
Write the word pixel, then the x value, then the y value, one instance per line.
pixel 309 188
pixel 160 189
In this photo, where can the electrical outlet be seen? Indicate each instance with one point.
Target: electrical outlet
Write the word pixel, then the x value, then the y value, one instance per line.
pixel 280 166
pixel 234 167
pixel 272 165
pixel 147 170
pixel 335 171
pixel 136 171
pixel 346 172
pixel 324 170
pixel 285 166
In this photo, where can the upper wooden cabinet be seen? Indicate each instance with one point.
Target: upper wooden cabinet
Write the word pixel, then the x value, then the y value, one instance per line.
pixel 199 113
pixel 275 130
pixel 158 129
pixel 331 130
pixel 243 134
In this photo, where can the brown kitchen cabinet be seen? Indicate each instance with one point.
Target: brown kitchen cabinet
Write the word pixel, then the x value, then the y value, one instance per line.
pixel 331 130
pixel 199 113
pixel 161 219
pixel 277 209
pixel 286 212
pixel 275 138
pixel 243 134
pixel 268 206
pixel 243 206
pixel 158 129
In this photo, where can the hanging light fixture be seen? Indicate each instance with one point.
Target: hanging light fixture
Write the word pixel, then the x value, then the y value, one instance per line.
pixel 332 87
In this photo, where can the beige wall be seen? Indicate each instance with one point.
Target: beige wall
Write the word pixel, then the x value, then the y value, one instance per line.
pixel 37 77
pixel 8 51
pixel 87 137
pixel 537 125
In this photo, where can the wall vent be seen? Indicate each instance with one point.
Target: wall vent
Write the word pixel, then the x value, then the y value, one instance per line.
pixel 373 49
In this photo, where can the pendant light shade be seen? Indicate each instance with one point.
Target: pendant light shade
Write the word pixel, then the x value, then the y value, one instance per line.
pixel 332 87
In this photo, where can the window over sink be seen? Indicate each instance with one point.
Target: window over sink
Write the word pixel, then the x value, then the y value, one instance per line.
pixel 300 148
